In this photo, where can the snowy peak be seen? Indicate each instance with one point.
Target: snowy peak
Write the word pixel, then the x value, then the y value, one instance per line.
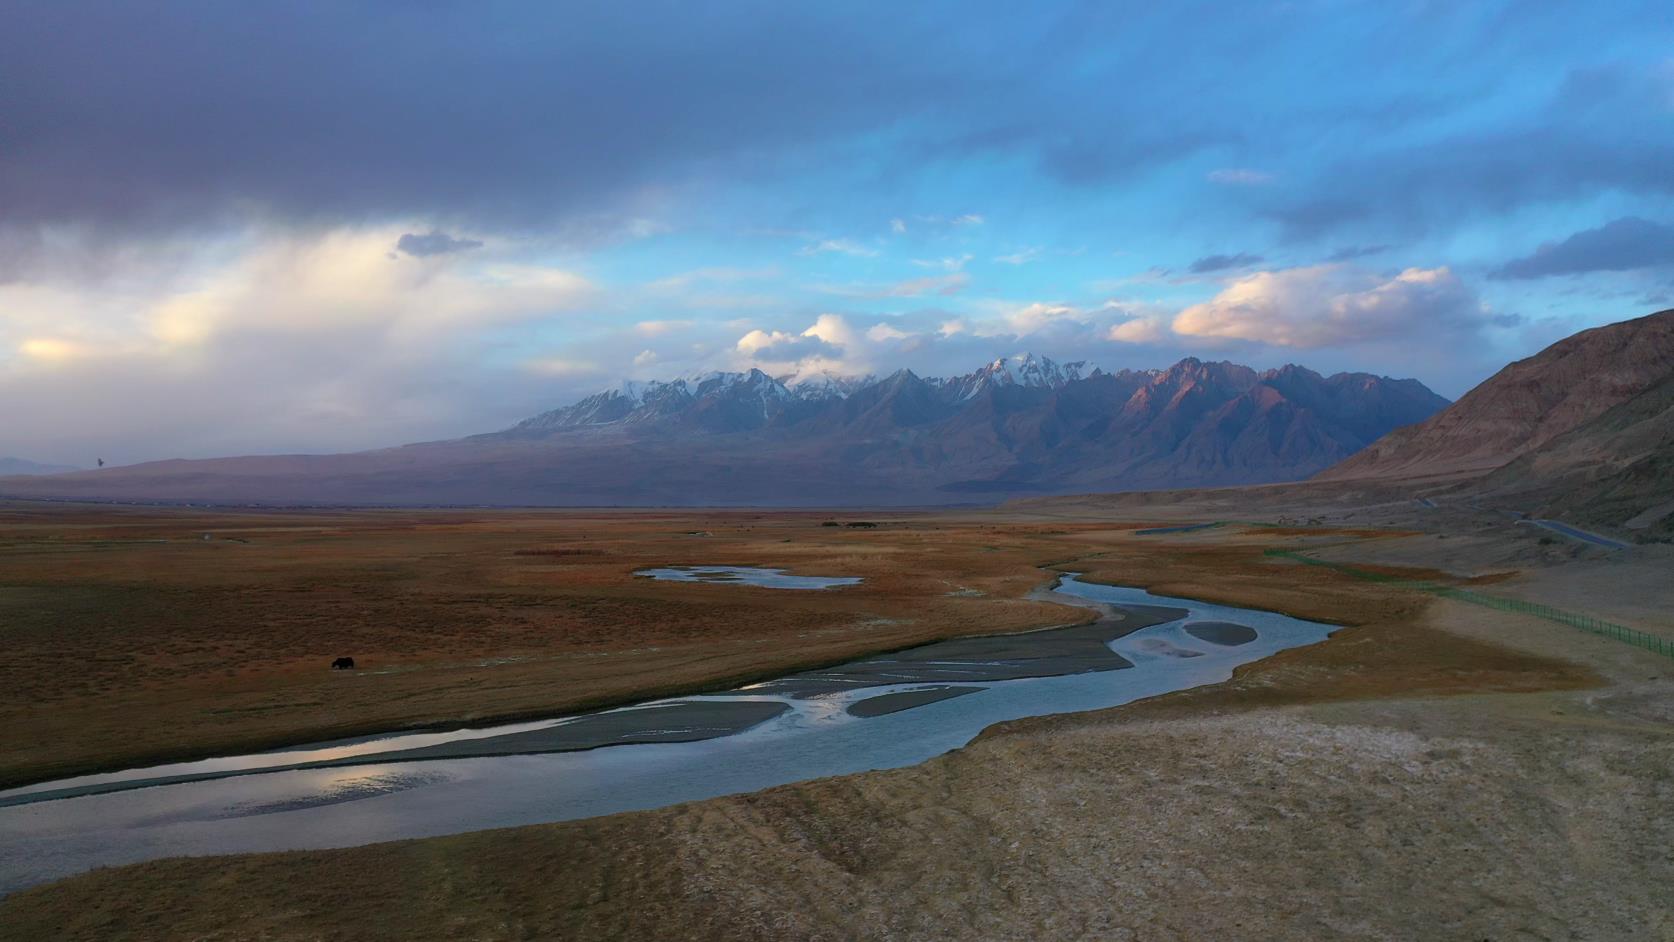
pixel 751 400
pixel 1022 370
pixel 827 385
pixel 1030 370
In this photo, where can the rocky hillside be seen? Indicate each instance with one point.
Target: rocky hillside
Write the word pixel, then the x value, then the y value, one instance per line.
pixel 1022 425
pixel 1527 404
pixel 1617 469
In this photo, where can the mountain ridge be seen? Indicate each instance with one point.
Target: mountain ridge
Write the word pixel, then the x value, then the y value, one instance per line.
pixel 1582 431
pixel 1526 404
pixel 1017 425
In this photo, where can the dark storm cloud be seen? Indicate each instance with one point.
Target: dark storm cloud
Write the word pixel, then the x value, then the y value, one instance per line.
pixel 433 243
pixel 139 115
pixel 1211 263
pixel 1600 130
pixel 1624 244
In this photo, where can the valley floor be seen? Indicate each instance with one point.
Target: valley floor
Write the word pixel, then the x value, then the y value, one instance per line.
pixel 1435 770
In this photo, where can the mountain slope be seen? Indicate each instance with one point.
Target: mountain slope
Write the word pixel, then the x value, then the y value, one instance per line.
pixel 1526 405
pixel 1019 425
pixel 1617 469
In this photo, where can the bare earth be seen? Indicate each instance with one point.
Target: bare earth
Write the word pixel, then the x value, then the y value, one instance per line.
pixel 1434 771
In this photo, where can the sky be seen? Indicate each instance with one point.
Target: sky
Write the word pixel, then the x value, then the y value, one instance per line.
pixel 242 228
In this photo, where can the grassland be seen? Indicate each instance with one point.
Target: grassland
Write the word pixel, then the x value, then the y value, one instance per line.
pixel 1435 770
pixel 128 637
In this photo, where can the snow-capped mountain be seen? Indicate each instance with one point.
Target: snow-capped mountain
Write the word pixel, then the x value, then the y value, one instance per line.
pixel 1018 425
pixel 1022 370
pixel 753 398
pixel 826 385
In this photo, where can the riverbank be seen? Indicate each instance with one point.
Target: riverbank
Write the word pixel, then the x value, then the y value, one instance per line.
pixel 1435 767
pixel 139 636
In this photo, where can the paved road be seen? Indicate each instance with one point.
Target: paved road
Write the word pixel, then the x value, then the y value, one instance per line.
pixel 1578 534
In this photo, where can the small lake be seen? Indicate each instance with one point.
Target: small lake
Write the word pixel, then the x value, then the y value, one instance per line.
pixel 747 575
pixel 884 711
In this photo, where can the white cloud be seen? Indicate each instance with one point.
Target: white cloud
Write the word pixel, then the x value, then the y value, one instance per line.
pixel 969 219
pixel 840 246
pixel 950 263
pixel 898 226
pixel 1139 330
pixel 833 329
pixel 1328 305
pixel 1020 257
pixel 264 341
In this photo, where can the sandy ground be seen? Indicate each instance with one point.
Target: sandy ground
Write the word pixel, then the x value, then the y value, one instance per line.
pixel 1434 771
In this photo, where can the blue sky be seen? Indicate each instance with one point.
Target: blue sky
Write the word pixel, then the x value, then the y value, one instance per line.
pixel 343 225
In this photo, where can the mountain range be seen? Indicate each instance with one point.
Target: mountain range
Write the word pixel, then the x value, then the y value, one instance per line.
pixel 1018 425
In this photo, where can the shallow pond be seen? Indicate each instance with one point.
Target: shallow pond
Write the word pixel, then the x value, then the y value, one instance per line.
pixel 762 576
pixel 880 712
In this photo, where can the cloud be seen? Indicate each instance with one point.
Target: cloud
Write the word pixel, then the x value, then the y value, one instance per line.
pixel 1624 244
pixel 1240 176
pixel 306 342
pixel 1331 305
pixel 950 263
pixel 560 366
pixel 778 346
pixel 1139 330
pixel 824 340
pixel 833 329
pixel 944 285
pixel 659 328
pixel 1313 217
pixel 1020 257
pixel 720 274
pixel 1212 263
pixel 1349 253
pixel 969 219
pixel 433 243
pixel 840 246
pixel 1600 130
pixel 1033 318
pixel 158 130
pixel 898 226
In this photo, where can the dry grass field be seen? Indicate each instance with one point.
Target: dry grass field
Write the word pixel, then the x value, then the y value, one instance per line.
pixel 126 637
pixel 1433 767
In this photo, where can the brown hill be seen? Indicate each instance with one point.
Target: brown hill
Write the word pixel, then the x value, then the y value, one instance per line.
pixel 1526 405
pixel 1617 469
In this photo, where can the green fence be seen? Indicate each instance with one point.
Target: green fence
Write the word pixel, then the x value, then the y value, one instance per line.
pixel 1597 626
